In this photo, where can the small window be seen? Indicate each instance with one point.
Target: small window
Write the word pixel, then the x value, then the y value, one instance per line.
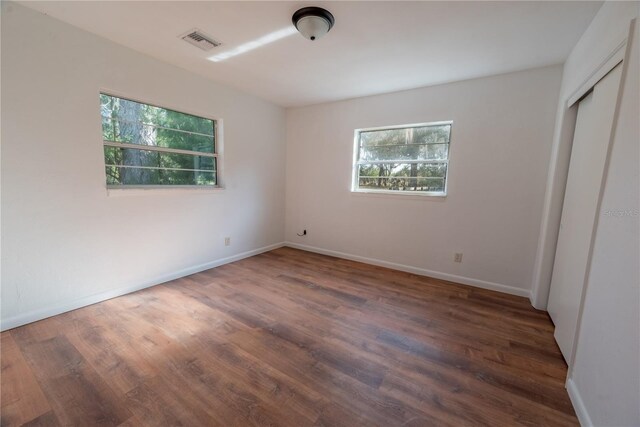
pixel 409 159
pixel 148 146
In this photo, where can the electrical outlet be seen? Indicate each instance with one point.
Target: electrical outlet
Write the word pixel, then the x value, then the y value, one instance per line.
pixel 457 257
pixel 227 241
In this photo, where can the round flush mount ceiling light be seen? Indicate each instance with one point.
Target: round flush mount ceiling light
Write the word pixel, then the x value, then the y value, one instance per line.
pixel 313 22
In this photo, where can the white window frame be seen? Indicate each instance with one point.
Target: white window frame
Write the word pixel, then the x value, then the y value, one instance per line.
pixel 217 154
pixel 356 163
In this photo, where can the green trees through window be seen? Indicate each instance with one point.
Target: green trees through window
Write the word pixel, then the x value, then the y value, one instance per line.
pixel 403 159
pixel 145 145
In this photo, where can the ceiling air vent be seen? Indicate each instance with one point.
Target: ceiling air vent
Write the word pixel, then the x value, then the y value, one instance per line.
pixel 200 40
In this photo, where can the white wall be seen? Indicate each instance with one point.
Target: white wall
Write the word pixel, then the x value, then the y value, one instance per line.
pixel 605 379
pixel 608 30
pixel 65 242
pixel 500 146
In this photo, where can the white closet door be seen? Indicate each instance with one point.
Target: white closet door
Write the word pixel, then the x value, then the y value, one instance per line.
pixel 586 169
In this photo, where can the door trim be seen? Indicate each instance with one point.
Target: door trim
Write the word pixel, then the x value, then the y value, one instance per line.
pixel 608 64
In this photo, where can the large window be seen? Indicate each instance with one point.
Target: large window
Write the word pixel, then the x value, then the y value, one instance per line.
pixel 149 146
pixel 403 159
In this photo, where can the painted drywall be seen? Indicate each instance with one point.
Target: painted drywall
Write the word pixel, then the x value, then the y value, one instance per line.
pixel 606 370
pixel 607 31
pixel 65 241
pixel 500 146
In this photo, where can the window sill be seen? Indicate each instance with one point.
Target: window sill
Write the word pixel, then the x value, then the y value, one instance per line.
pixel 154 190
pixel 411 195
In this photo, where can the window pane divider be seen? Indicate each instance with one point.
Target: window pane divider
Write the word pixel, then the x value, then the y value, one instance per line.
pixel 399 177
pixel 161 167
pixel 156 148
pixel 203 187
pixel 404 162
pixel 402 145
pixel 136 122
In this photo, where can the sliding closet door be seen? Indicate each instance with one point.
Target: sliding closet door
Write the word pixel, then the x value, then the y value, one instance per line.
pixel 586 169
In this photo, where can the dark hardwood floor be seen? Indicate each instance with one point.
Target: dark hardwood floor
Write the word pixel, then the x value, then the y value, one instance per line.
pixel 290 338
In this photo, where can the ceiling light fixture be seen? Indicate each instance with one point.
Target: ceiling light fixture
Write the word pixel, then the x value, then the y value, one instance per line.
pixel 313 22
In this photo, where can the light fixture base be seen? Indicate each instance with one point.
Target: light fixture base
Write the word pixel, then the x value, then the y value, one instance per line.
pixel 313 22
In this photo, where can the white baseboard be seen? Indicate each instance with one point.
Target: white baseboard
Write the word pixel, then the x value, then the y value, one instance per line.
pixel 578 404
pixel 416 270
pixel 35 315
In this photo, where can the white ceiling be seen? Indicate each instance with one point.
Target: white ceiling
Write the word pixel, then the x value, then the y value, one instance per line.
pixel 374 47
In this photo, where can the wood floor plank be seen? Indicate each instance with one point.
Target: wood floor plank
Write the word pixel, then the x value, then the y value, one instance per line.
pixel 450 341
pixel 290 338
pixel 74 390
pixel 213 395
pixel 153 407
pixel 21 396
pixel 241 367
pixel 111 361
pixel 48 419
